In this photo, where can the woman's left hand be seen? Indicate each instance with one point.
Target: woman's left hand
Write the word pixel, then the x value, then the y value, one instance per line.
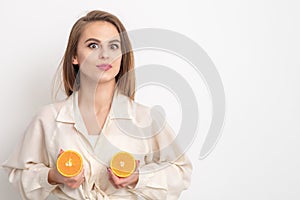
pixel 119 182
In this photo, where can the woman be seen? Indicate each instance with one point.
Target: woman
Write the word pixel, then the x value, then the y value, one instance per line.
pixel 98 119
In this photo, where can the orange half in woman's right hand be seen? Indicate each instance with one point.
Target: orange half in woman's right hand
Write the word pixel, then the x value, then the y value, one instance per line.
pixel 69 163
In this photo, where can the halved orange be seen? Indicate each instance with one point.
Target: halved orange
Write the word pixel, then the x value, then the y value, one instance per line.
pixel 69 163
pixel 122 164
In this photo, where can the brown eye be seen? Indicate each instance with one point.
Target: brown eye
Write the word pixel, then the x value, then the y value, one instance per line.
pixel 114 46
pixel 94 46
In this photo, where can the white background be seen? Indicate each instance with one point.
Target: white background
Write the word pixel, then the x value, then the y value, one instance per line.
pixel 255 46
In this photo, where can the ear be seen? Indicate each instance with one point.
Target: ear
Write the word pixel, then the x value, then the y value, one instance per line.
pixel 75 60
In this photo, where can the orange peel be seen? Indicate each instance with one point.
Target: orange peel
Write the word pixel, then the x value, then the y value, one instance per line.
pixel 123 164
pixel 69 163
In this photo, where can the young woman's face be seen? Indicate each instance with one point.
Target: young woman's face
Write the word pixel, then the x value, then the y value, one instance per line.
pixel 99 52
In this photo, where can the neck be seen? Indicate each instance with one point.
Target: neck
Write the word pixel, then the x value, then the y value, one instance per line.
pixel 96 96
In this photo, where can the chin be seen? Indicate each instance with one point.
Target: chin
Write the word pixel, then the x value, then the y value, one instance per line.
pixel 106 79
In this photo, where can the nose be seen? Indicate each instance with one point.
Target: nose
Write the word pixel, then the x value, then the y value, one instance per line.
pixel 103 53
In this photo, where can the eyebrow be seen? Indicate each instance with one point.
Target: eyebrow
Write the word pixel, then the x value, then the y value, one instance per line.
pixel 96 40
pixel 112 41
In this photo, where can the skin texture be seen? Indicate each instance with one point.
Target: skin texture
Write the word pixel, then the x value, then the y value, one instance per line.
pixel 105 49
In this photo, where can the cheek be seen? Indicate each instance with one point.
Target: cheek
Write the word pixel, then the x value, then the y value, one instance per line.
pixel 117 62
pixel 87 57
pixel 115 56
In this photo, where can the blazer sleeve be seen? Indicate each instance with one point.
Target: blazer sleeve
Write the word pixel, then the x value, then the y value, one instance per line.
pixel 28 165
pixel 167 170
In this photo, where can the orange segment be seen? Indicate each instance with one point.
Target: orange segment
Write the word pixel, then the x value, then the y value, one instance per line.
pixel 122 164
pixel 69 163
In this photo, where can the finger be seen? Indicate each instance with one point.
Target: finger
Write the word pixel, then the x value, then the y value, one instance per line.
pixel 81 173
pixel 60 152
pixel 109 173
pixel 115 185
pixel 137 164
pixel 80 176
pixel 119 182
pixel 72 185
pixel 110 178
pixel 132 179
pixel 76 183
pixel 113 176
pixel 124 182
pixel 83 180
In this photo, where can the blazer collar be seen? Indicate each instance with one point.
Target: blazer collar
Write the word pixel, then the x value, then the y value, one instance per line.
pixel 121 108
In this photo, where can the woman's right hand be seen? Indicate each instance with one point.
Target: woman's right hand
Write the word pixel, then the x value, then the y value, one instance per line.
pixel 54 177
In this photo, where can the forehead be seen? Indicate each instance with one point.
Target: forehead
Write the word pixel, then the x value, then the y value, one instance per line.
pixel 101 30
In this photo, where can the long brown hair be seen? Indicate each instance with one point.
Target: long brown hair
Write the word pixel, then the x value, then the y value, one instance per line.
pixel 125 79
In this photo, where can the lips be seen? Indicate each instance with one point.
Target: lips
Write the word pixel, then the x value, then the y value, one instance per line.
pixel 104 67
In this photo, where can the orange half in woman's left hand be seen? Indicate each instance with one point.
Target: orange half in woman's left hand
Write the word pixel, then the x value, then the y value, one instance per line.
pixel 123 164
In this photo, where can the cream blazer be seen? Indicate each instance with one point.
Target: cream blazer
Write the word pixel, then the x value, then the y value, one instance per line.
pixel 164 170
